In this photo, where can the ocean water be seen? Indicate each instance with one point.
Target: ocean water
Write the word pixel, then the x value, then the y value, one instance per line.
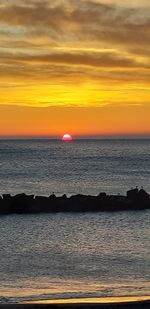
pixel 81 166
pixel 53 256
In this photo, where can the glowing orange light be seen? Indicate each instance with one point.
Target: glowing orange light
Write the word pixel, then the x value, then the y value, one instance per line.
pixel 67 137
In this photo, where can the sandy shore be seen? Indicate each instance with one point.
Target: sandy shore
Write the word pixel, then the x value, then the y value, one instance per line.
pixel 127 305
pixel 103 303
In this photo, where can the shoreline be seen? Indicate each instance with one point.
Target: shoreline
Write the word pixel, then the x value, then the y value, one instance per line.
pixel 91 300
pixel 134 304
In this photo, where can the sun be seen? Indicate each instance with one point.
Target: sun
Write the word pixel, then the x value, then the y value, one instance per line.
pixel 67 137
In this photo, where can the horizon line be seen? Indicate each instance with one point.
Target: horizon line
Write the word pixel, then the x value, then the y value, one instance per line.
pixel 78 137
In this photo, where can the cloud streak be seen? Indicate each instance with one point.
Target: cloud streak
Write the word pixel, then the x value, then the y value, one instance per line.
pixel 73 43
pixel 92 59
pixel 75 20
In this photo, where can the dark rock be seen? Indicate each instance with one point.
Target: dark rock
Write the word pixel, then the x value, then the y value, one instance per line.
pixel 22 203
pixel 133 193
pixel 102 195
pixel 142 194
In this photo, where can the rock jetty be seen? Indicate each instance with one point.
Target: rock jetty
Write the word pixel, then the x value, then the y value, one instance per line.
pixel 135 199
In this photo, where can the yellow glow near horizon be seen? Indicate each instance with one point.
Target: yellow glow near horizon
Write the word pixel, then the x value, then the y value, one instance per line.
pixel 49 121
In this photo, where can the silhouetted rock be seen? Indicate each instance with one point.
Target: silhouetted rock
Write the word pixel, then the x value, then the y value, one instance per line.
pixel 41 204
pixel 6 204
pixel 142 194
pixel 102 195
pixel 22 203
pixel 133 193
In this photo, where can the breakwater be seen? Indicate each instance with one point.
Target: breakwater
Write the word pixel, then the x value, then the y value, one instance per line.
pixel 135 199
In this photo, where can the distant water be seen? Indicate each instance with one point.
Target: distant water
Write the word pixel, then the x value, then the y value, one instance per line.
pixel 49 256
pixel 81 166
pixel 52 256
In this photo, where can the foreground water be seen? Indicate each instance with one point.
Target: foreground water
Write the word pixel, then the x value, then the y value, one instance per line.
pixel 80 166
pixel 74 255
pixel 50 256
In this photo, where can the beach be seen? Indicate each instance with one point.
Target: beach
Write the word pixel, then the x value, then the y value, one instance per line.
pixel 126 305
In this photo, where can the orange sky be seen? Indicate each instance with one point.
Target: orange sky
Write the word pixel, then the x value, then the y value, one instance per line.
pixel 76 66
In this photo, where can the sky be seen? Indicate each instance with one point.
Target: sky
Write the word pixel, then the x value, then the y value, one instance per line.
pixel 74 66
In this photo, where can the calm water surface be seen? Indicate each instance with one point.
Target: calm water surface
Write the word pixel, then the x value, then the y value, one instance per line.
pixel 74 255
pixel 80 166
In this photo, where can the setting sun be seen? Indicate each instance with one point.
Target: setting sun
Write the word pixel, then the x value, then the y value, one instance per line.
pixel 67 137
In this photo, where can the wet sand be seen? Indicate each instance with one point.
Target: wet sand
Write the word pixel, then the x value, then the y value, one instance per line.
pixel 142 302
pixel 126 305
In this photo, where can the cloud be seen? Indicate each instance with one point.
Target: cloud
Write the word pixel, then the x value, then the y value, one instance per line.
pixel 75 42
pixel 74 66
pixel 75 20
pixel 102 59
pixel 35 14
pixel 38 25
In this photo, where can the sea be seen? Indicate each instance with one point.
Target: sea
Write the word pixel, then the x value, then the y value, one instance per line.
pixel 82 255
